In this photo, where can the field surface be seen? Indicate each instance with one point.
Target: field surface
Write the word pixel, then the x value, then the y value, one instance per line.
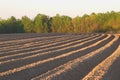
pixel 60 56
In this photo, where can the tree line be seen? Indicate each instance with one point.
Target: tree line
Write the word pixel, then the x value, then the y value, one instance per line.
pixel 100 22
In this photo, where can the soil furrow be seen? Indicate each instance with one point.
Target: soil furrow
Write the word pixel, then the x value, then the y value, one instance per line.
pixel 28 39
pixel 75 69
pixel 60 45
pixel 32 44
pixel 48 61
pixel 18 44
pixel 31 59
pixel 101 69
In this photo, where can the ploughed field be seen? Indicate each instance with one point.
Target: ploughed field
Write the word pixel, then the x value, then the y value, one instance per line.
pixel 60 56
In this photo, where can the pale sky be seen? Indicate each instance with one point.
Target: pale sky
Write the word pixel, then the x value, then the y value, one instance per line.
pixel 72 8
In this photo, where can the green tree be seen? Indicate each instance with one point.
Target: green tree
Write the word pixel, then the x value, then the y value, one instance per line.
pixel 41 23
pixel 77 26
pixel 28 24
pixel 61 24
pixel 56 23
pixel 11 25
pixel 101 22
pixel 66 24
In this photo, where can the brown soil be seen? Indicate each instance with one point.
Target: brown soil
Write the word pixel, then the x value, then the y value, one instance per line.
pixel 57 56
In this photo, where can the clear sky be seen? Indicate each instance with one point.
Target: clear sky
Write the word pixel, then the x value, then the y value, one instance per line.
pixel 71 8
